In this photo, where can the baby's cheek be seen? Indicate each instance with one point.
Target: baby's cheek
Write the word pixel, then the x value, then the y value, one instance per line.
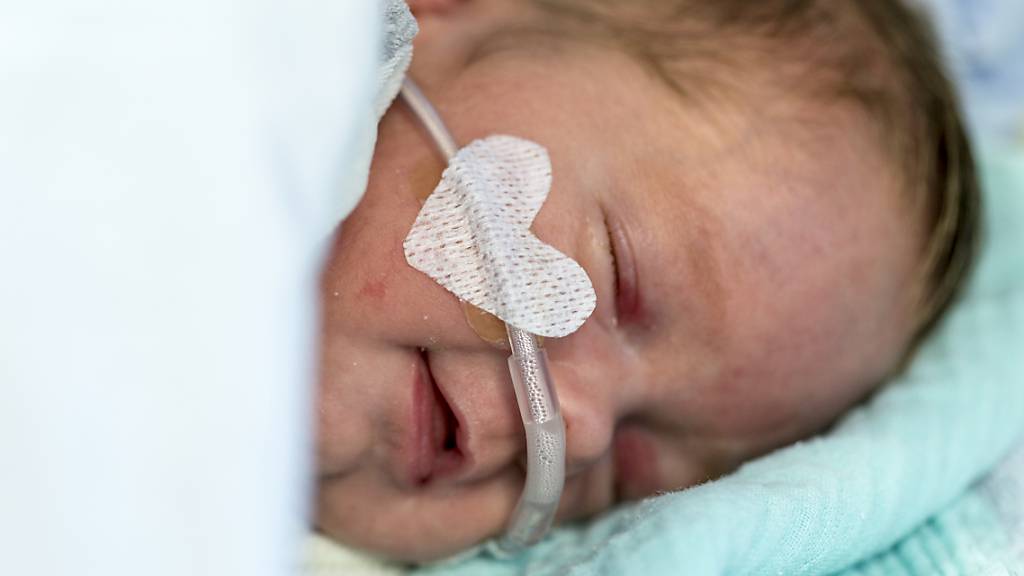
pixel 792 376
pixel 424 176
pixel 366 279
pixel 342 435
pixel 358 284
pixel 365 512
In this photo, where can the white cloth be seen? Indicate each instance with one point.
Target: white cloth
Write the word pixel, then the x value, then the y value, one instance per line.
pixel 396 55
pixel 168 173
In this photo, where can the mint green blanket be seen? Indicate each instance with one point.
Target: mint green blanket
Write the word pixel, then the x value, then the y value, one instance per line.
pixel 897 487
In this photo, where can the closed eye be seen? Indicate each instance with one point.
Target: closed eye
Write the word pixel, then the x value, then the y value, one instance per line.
pixel 627 295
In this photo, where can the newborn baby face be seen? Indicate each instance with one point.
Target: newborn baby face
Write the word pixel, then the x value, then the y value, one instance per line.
pixel 753 258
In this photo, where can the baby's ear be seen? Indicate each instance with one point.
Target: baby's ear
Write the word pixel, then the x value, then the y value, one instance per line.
pixel 422 7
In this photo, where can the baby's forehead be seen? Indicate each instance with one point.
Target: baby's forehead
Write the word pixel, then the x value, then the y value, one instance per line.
pixel 717 53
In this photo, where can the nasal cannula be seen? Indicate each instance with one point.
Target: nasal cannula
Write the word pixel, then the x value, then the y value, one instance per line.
pixel 538 404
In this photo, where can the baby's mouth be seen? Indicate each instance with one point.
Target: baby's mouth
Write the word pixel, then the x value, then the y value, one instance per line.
pixel 435 450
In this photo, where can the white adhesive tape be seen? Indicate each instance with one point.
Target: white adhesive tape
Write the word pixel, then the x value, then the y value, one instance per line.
pixel 473 237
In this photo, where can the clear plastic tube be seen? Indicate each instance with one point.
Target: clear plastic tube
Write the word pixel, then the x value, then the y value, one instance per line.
pixel 535 392
pixel 429 117
pixel 545 442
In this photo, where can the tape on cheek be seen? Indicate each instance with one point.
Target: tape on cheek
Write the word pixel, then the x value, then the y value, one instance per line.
pixel 473 237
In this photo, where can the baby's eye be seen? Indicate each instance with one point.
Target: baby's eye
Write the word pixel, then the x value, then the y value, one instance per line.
pixel 627 301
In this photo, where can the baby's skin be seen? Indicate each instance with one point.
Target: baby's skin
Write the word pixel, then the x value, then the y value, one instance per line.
pixel 754 258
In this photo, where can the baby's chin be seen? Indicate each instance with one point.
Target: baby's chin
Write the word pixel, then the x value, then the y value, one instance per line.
pixel 425 525
pixel 405 543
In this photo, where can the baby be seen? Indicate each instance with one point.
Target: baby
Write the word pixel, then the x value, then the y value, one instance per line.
pixel 774 201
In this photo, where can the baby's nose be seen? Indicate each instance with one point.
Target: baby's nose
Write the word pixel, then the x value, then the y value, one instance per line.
pixel 493 437
pixel 590 420
pixel 496 438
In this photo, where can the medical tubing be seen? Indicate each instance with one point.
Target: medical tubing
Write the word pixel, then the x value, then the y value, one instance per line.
pixel 535 392
pixel 429 117
pixel 545 443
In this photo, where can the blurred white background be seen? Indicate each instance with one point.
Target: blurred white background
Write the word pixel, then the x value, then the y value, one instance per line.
pixel 168 174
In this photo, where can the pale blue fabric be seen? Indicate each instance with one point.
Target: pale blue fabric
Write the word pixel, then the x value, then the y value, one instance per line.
pixel 984 45
pixel 967 538
pixel 904 461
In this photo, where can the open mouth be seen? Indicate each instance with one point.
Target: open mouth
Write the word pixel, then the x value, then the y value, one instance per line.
pixel 437 452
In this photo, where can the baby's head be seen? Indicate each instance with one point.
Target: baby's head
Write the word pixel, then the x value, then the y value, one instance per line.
pixel 773 200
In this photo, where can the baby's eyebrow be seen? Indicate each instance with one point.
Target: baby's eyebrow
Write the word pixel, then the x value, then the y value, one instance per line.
pixel 517 38
pixel 550 40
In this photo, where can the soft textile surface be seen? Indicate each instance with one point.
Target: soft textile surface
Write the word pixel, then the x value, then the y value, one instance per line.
pixel 323 557
pixel 984 46
pixel 1005 489
pixel 395 55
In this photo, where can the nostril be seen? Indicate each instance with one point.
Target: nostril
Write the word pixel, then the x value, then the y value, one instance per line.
pixel 450 456
pixel 447 451
pixel 451 431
